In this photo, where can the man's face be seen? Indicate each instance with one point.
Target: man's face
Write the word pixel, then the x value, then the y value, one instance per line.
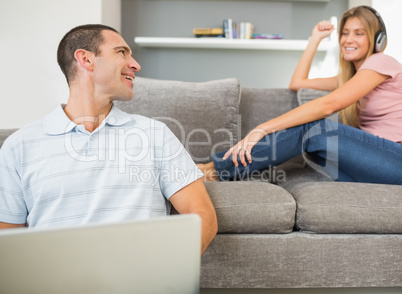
pixel 114 69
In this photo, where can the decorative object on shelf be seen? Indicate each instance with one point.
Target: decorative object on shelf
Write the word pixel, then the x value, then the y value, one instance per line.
pixel 267 36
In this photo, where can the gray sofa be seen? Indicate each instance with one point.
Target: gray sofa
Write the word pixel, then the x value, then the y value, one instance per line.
pixel 291 226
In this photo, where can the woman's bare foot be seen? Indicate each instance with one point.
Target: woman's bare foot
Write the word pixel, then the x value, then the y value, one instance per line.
pixel 209 171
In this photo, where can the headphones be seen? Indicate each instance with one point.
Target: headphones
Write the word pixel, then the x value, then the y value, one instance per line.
pixel 380 38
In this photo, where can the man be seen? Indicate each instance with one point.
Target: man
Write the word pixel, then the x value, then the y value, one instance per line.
pixel 91 162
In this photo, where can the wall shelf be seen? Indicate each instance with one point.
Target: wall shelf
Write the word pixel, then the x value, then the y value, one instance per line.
pixel 222 43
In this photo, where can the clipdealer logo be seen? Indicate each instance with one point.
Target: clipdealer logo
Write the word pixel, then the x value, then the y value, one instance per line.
pixel 125 146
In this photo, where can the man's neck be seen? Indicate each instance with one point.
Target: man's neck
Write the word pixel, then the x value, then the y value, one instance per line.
pixel 85 109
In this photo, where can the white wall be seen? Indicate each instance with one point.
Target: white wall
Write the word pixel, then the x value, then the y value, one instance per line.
pixel 353 3
pixel 390 11
pixel 31 83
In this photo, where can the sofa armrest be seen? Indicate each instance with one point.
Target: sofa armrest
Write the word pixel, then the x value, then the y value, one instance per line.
pixel 4 134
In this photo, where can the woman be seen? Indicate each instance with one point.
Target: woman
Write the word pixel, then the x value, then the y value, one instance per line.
pixel 368 94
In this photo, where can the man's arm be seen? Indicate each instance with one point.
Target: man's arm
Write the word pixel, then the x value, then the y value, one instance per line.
pixel 194 198
pixel 10 226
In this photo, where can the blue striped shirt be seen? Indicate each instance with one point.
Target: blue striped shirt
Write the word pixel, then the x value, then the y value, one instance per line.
pixel 54 172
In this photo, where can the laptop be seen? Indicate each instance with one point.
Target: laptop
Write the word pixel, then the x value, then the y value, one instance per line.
pixel 159 255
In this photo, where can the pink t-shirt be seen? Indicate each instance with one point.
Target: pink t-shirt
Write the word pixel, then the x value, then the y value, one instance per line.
pixel 380 112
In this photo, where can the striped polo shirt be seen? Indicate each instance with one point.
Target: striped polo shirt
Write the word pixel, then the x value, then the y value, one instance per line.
pixel 54 172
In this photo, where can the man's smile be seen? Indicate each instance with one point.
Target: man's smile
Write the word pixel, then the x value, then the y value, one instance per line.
pixel 128 77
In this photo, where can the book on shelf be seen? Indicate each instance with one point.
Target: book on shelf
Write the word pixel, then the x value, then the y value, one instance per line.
pixel 246 30
pixel 208 32
pixel 235 30
pixel 228 28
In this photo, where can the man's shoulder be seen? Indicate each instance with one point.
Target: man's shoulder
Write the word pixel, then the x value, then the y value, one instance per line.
pixel 30 131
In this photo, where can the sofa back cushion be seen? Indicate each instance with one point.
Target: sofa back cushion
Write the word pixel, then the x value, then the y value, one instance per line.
pixel 202 115
pixel 259 105
pixel 305 95
pixel 4 133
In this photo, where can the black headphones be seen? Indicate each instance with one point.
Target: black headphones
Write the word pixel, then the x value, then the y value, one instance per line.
pixel 380 38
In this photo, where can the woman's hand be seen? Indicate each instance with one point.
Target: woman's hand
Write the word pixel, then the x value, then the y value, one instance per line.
pixel 322 30
pixel 244 147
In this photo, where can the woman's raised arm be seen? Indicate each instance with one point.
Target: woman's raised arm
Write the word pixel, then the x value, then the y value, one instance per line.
pixel 300 76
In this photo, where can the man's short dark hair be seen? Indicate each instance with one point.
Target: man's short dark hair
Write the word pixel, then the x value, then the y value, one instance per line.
pixel 88 37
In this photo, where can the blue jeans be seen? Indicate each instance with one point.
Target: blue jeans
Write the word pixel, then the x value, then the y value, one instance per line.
pixel 345 153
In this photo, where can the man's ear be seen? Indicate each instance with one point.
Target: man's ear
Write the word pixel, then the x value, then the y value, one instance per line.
pixel 85 58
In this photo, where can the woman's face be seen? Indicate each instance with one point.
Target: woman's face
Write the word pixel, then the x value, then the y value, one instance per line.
pixel 354 42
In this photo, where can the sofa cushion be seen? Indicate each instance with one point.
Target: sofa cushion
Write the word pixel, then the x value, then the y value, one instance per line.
pixel 258 105
pixel 202 115
pixel 305 95
pixel 297 172
pixel 252 207
pixel 4 133
pixel 335 207
pixel 306 261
